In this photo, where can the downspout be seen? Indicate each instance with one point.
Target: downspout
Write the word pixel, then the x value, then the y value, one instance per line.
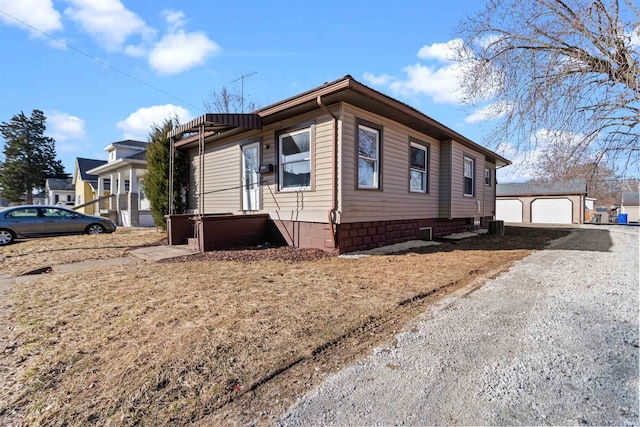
pixel 334 175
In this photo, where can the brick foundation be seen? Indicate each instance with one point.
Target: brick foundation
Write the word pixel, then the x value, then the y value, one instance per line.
pixel 302 234
pixel 368 235
pixel 350 237
pixel 362 235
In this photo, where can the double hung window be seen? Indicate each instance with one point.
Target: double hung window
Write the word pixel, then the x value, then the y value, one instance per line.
pixel 469 169
pixel 295 159
pixel 418 161
pixel 368 157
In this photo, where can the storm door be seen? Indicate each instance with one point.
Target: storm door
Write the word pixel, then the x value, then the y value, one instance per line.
pixel 250 177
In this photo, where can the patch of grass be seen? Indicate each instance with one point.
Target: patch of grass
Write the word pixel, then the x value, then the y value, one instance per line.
pixel 31 254
pixel 173 344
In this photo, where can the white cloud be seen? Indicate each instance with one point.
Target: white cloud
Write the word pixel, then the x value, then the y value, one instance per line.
pixel 108 21
pixel 634 38
pixel 439 80
pixel 522 167
pixel 546 138
pixel 63 126
pixel 175 19
pixel 439 75
pixel 119 29
pixel 38 13
pixel 442 52
pixel 138 124
pixel 440 83
pixel 137 51
pixel 180 51
pixel 381 80
pixel 488 112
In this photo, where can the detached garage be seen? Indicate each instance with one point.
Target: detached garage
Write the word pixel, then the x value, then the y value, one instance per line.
pixel 541 203
pixel 509 210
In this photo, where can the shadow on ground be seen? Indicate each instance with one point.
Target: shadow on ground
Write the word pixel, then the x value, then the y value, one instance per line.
pixel 529 238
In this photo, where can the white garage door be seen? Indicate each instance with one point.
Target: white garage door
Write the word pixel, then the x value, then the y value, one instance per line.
pixel 509 210
pixel 551 211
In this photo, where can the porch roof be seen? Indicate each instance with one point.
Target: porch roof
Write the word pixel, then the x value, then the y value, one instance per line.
pixel 218 123
pixel 126 162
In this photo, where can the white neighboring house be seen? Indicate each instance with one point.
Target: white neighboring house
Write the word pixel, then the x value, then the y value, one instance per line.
pixel 125 171
pixel 631 205
pixel 60 191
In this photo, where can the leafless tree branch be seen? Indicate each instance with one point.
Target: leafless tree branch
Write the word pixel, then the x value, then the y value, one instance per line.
pixel 567 66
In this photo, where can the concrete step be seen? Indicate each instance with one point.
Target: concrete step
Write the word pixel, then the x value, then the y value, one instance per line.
pixel 192 243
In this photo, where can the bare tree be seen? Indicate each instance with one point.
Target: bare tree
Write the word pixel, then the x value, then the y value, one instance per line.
pixel 560 161
pixel 570 66
pixel 225 101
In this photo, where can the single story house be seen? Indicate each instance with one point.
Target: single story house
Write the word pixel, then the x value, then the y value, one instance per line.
pixel 341 167
pixel 631 205
pixel 125 169
pixel 60 190
pixel 542 202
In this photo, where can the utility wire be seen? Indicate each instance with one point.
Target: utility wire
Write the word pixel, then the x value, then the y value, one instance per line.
pixel 100 61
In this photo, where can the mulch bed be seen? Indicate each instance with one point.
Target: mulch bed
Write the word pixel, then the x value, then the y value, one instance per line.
pixel 529 238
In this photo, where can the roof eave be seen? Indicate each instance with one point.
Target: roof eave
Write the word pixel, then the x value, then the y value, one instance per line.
pixel 116 164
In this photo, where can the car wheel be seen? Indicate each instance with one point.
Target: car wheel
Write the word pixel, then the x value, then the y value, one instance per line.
pixel 95 229
pixel 6 237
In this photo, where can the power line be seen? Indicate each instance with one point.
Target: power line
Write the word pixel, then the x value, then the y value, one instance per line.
pixel 100 61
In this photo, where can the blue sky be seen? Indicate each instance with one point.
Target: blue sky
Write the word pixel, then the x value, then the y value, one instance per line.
pixel 124 64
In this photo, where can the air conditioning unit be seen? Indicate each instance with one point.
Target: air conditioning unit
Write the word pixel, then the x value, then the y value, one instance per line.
pixel 496 227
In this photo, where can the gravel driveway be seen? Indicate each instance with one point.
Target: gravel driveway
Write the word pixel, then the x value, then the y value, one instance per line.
pixel 552 341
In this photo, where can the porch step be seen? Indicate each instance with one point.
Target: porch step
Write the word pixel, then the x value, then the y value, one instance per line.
pixel 192 243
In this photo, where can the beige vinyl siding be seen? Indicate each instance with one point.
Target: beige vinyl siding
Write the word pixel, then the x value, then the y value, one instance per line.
pixel 490 191
pixel 223 169
pixel 308 205
pixel 192 196
pixel 393 201
pixel 445 179
pixel 465 206
pixel 221 179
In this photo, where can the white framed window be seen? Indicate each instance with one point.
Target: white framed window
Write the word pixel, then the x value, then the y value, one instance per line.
pixel 468 170
pixel 487 177
pixel 418 161
pixel 143 203
pixel 294 150
pixel 368 157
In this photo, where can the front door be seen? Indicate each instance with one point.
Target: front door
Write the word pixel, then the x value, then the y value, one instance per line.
pixel 250 177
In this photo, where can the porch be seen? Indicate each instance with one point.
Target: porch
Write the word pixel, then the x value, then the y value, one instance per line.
pixel 220 231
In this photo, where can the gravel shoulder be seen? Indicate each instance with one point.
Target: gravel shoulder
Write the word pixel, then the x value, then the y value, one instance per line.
pixel 552 341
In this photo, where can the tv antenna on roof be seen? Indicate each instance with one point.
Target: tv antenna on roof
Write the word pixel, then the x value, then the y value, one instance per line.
pixel 241 79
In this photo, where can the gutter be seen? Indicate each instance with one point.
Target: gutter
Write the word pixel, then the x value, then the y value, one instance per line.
pixel 334 173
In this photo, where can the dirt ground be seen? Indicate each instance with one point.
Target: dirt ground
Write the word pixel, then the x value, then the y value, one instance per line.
pixel 226 337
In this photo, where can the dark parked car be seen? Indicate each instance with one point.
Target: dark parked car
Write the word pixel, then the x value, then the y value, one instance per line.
pixel 40 221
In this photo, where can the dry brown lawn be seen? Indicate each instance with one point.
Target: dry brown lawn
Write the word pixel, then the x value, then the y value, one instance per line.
pixel 219 342
pixel 26 255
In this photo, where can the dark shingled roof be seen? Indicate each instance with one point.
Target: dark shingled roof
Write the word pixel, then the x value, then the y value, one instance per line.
pixel 87 164
pixel 131 142
pixel 61 184
pixel 138 156
pixel 576 186
pixel 631 198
